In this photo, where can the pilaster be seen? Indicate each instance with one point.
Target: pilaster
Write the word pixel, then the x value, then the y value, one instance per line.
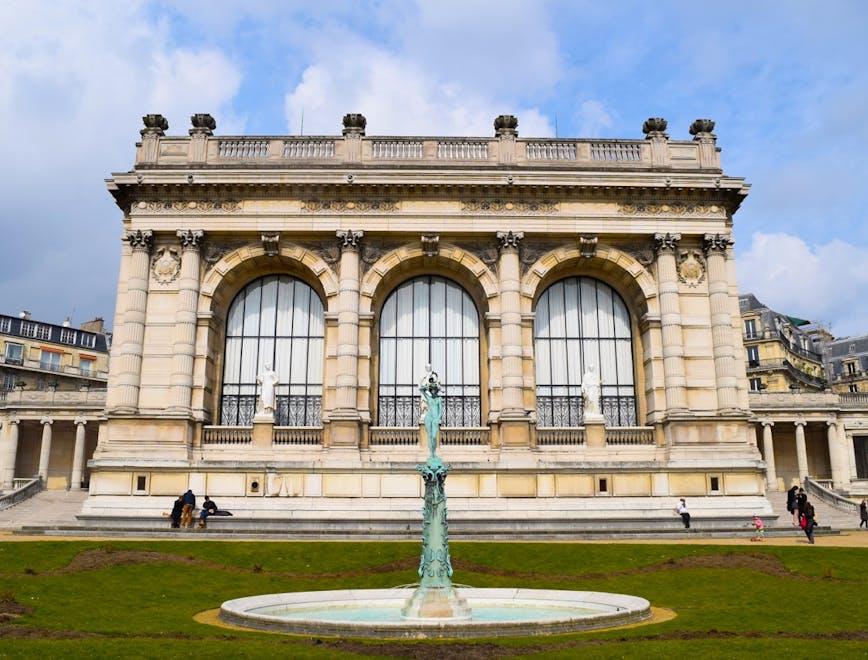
pixel 716 246
pixel 671 331
pixel 184 346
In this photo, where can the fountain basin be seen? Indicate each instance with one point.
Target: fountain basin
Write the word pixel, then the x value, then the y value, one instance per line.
pixel 377 613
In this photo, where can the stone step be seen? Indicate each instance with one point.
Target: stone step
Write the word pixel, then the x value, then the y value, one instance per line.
pixel 45 508
pixel 826 514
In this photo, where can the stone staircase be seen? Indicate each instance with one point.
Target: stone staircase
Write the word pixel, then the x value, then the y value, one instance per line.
pixel 48 507
pixel 827 515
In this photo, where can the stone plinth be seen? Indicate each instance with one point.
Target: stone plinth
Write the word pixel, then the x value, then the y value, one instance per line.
pixel 595 430
pixel 263 427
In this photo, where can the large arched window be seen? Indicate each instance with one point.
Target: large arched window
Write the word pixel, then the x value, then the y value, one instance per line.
pixel 274 321
pixel 581 323
pixel 429 320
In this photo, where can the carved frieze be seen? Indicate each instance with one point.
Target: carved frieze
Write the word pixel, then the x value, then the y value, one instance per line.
pixel 506 207
pixel 685 209
pixel 343 206
pixel 166 265
pixel 185 207
pixel 691 268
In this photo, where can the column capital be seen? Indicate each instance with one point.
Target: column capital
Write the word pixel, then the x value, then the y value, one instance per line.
pixel 191 239
pixel 509 240
pixel 767 422
pixel 140 240
pixel 832 421
pixel 800 421
pixel 79 421
pixel 666 242
pixel 349 239
pixel 13 420
pixel 46 420
pixel 716 243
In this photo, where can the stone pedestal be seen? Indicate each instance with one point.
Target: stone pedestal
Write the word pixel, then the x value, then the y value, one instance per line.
pixel 514 431
pixel 344 432
pixel 595 431
pixel 263 430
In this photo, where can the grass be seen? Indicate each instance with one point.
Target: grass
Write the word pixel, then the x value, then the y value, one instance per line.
pixel 111 599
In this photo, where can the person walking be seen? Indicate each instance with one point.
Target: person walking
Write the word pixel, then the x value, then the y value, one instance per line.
pixel 187 511
pixel 810 522
pixel 681 510
pixel 792 493
pixel 863 514
pixel 759 529
pixel 801 500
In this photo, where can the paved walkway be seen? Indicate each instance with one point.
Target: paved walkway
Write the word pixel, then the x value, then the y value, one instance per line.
pixel 50 507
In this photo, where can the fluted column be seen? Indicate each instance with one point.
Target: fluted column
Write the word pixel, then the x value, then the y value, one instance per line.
pixel 45 449
pixel 510 322
pixel 769 454
pixel 345 415
pixel 837 457
pixel 801 450
pixel 133 331
pixel 716 246
pixel 670 322
pixel 183 349
pixel 78 454
pixel 10 452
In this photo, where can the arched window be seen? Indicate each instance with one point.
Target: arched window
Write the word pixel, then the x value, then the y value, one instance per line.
pixel 429 320
pixel 274 321
pixel 580 323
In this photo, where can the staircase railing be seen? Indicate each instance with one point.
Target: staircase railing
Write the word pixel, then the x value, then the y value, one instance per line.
pixel 829 496
pixel 28 489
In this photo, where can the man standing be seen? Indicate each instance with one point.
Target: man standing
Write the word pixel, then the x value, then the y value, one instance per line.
pixel 681 510
pixel 187 512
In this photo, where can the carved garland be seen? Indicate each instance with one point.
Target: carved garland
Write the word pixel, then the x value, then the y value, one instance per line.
pixel 186 207
pixel 341 206
pixel 673 208
pixel 500 206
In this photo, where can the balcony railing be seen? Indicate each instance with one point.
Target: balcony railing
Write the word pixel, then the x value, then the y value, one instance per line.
pixel 450 436
pixel 464 436
pixel 394 436
pixel 227 435
pixel 297 435
pixel 854 399
pixel 636 435
pixel 754 366
pixel 560 436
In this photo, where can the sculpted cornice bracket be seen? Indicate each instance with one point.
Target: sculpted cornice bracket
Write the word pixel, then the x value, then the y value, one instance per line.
pixel 271 244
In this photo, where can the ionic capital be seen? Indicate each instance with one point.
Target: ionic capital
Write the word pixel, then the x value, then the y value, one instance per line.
pixel 666 242
pixel 46 420
pixel 191 239
pixel 79 421
pixel 140 240
pixel 720 243
pixel 509 240
pixel 800 421
pixel 767 422
pixel 349 239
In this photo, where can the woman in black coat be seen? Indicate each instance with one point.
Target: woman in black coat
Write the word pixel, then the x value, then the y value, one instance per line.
pixel 791 503
pixel 810 523
pixel 177 508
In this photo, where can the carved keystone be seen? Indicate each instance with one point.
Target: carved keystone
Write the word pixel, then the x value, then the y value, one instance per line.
pixel 430 245
pixel 271 244
pixel 588 245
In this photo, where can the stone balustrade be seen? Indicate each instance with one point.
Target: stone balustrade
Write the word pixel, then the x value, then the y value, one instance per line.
pixel 630 435
pixel 85 398
pixel 289 152
pixel 566 436
pixel 227 435
pixel 297 435
pixel 394 436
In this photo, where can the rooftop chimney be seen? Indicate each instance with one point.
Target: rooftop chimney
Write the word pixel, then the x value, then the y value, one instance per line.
pixel 96 325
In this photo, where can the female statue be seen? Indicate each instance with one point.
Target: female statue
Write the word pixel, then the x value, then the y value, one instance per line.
pixel 432 406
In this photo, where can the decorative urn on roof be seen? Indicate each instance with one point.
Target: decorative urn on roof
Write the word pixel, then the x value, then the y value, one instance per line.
pixel 354 123
pixel 506 125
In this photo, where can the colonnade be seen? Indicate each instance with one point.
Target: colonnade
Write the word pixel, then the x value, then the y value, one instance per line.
pixel 10 440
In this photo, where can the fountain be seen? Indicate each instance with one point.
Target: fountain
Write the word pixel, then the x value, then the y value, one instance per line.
pixel 435 608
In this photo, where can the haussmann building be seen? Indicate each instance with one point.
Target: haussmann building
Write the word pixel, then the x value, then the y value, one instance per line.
pixel 512 265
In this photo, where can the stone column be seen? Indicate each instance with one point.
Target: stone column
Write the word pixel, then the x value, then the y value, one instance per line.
pixel 801 451
pixel 344 419
pixel 769 454
pixel 78 454
pixel 837 456
pixel 184 347
pixel 10 452
pixel 45 449
pixel 514 427
pixel 716 246
pixel 133 330
pixel 670 322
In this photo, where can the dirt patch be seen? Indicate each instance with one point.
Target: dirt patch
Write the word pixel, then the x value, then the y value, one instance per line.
pixel 11 608
pixel 759 562
pixel 91 560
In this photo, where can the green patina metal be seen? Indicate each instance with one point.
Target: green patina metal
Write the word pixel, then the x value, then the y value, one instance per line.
pixel 435 566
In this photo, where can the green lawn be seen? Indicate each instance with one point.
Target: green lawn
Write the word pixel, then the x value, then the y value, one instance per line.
pixel 99 599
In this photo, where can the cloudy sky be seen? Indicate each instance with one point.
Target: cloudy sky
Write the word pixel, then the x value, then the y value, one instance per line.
pixel 786 82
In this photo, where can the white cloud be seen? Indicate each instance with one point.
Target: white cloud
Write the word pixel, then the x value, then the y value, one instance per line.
pixel 398 92
pixel 75 80
pixel 826 283
pixel 593 119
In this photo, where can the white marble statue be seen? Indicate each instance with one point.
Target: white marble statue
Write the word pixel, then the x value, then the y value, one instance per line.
pixel 266 380
pixel 423 404
pixel 591 392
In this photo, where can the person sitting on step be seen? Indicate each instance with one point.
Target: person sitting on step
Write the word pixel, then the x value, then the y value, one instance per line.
pixel 209 508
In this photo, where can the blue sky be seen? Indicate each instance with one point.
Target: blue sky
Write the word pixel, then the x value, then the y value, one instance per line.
pixel 786 83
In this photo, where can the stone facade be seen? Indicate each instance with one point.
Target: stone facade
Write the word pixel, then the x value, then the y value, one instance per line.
pixel 499 219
